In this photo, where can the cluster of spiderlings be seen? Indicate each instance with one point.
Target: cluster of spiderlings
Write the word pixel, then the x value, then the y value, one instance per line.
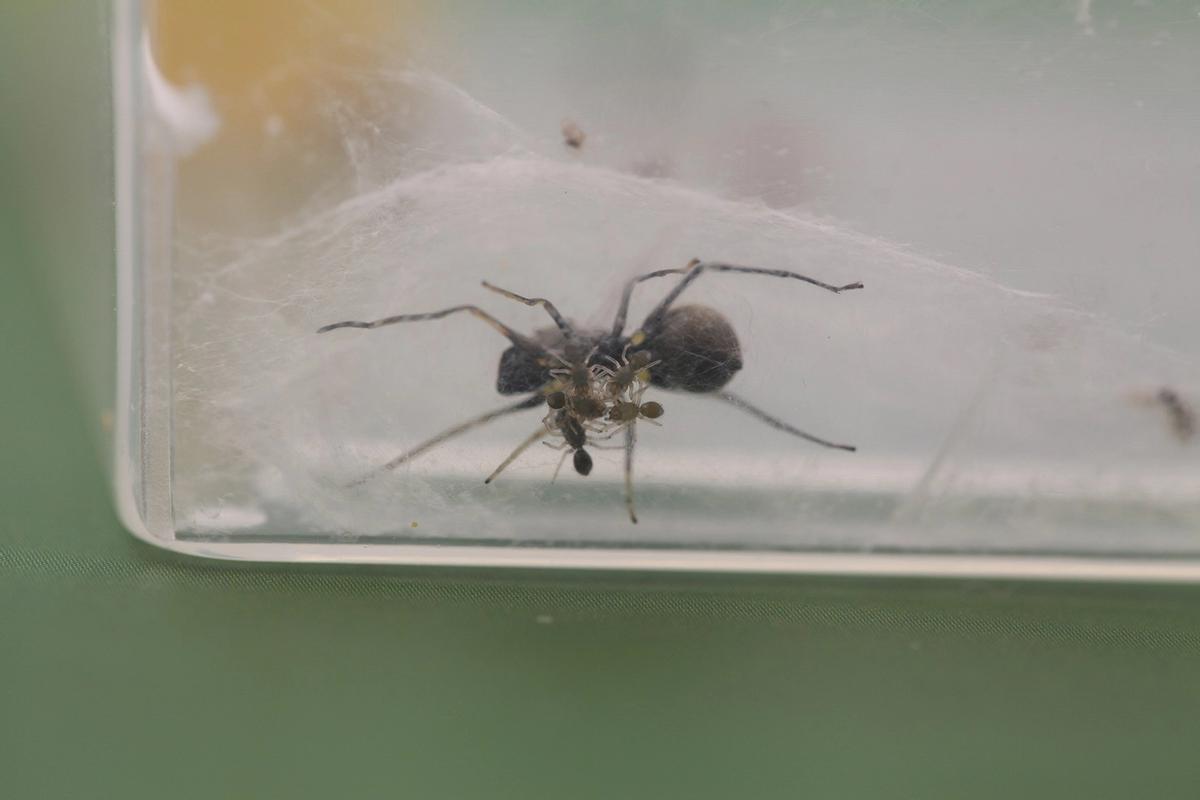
pixel 595 401
pixel 623 384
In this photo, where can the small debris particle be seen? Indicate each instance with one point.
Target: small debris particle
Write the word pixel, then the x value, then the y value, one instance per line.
pixel 573 135
pixel 1181 416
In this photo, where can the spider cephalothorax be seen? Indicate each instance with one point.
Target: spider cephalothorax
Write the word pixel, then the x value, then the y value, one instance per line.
pixel 592 381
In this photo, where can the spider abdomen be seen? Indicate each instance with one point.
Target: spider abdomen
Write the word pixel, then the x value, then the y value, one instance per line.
pixel 698 350
pixel 520 372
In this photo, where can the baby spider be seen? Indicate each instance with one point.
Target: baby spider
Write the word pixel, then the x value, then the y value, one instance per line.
pixel 574 440
pixel 625 385
pixel 625 411
pixel 690 348
pixel 628 371
pixel 569 417
pixel 577 390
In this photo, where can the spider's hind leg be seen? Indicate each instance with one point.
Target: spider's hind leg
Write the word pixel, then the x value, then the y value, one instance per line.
pixel 778 424
pixel 519 341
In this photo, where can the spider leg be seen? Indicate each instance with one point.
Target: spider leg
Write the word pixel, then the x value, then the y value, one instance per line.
pixel 623 309
pixel 738 402
pixel 558 469
pixel 630 441
pixel 606 434
pixel 558 318
pixel 540 433
pixel 523 342
pixel 696 268
pixel 475 422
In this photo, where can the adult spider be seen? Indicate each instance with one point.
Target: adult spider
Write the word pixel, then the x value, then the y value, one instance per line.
pixel 684 348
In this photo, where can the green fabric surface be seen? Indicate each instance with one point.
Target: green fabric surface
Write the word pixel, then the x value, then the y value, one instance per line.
pixel 127 672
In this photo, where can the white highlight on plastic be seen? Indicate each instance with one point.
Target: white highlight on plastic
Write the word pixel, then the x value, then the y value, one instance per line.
pixel 186 112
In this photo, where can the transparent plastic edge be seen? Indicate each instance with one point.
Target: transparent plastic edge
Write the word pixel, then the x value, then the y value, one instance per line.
pixel 128 481
pixel 126 432
pixel 1038 568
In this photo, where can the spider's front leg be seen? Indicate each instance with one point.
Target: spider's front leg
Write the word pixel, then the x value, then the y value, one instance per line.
pixel 518 340
pixel 690 273
pixel 697 268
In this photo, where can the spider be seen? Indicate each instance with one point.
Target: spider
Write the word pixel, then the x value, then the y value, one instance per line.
pixel 586 376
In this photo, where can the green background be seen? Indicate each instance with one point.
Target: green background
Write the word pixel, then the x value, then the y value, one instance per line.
pixel 128 672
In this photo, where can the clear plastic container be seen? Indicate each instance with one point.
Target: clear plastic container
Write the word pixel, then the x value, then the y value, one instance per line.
pixel 1015 185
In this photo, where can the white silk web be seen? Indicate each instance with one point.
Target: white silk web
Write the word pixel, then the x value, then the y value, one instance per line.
pixel 986 417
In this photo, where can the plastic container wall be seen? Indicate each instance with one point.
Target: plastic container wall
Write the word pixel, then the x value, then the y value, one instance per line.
pixel 1015 185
